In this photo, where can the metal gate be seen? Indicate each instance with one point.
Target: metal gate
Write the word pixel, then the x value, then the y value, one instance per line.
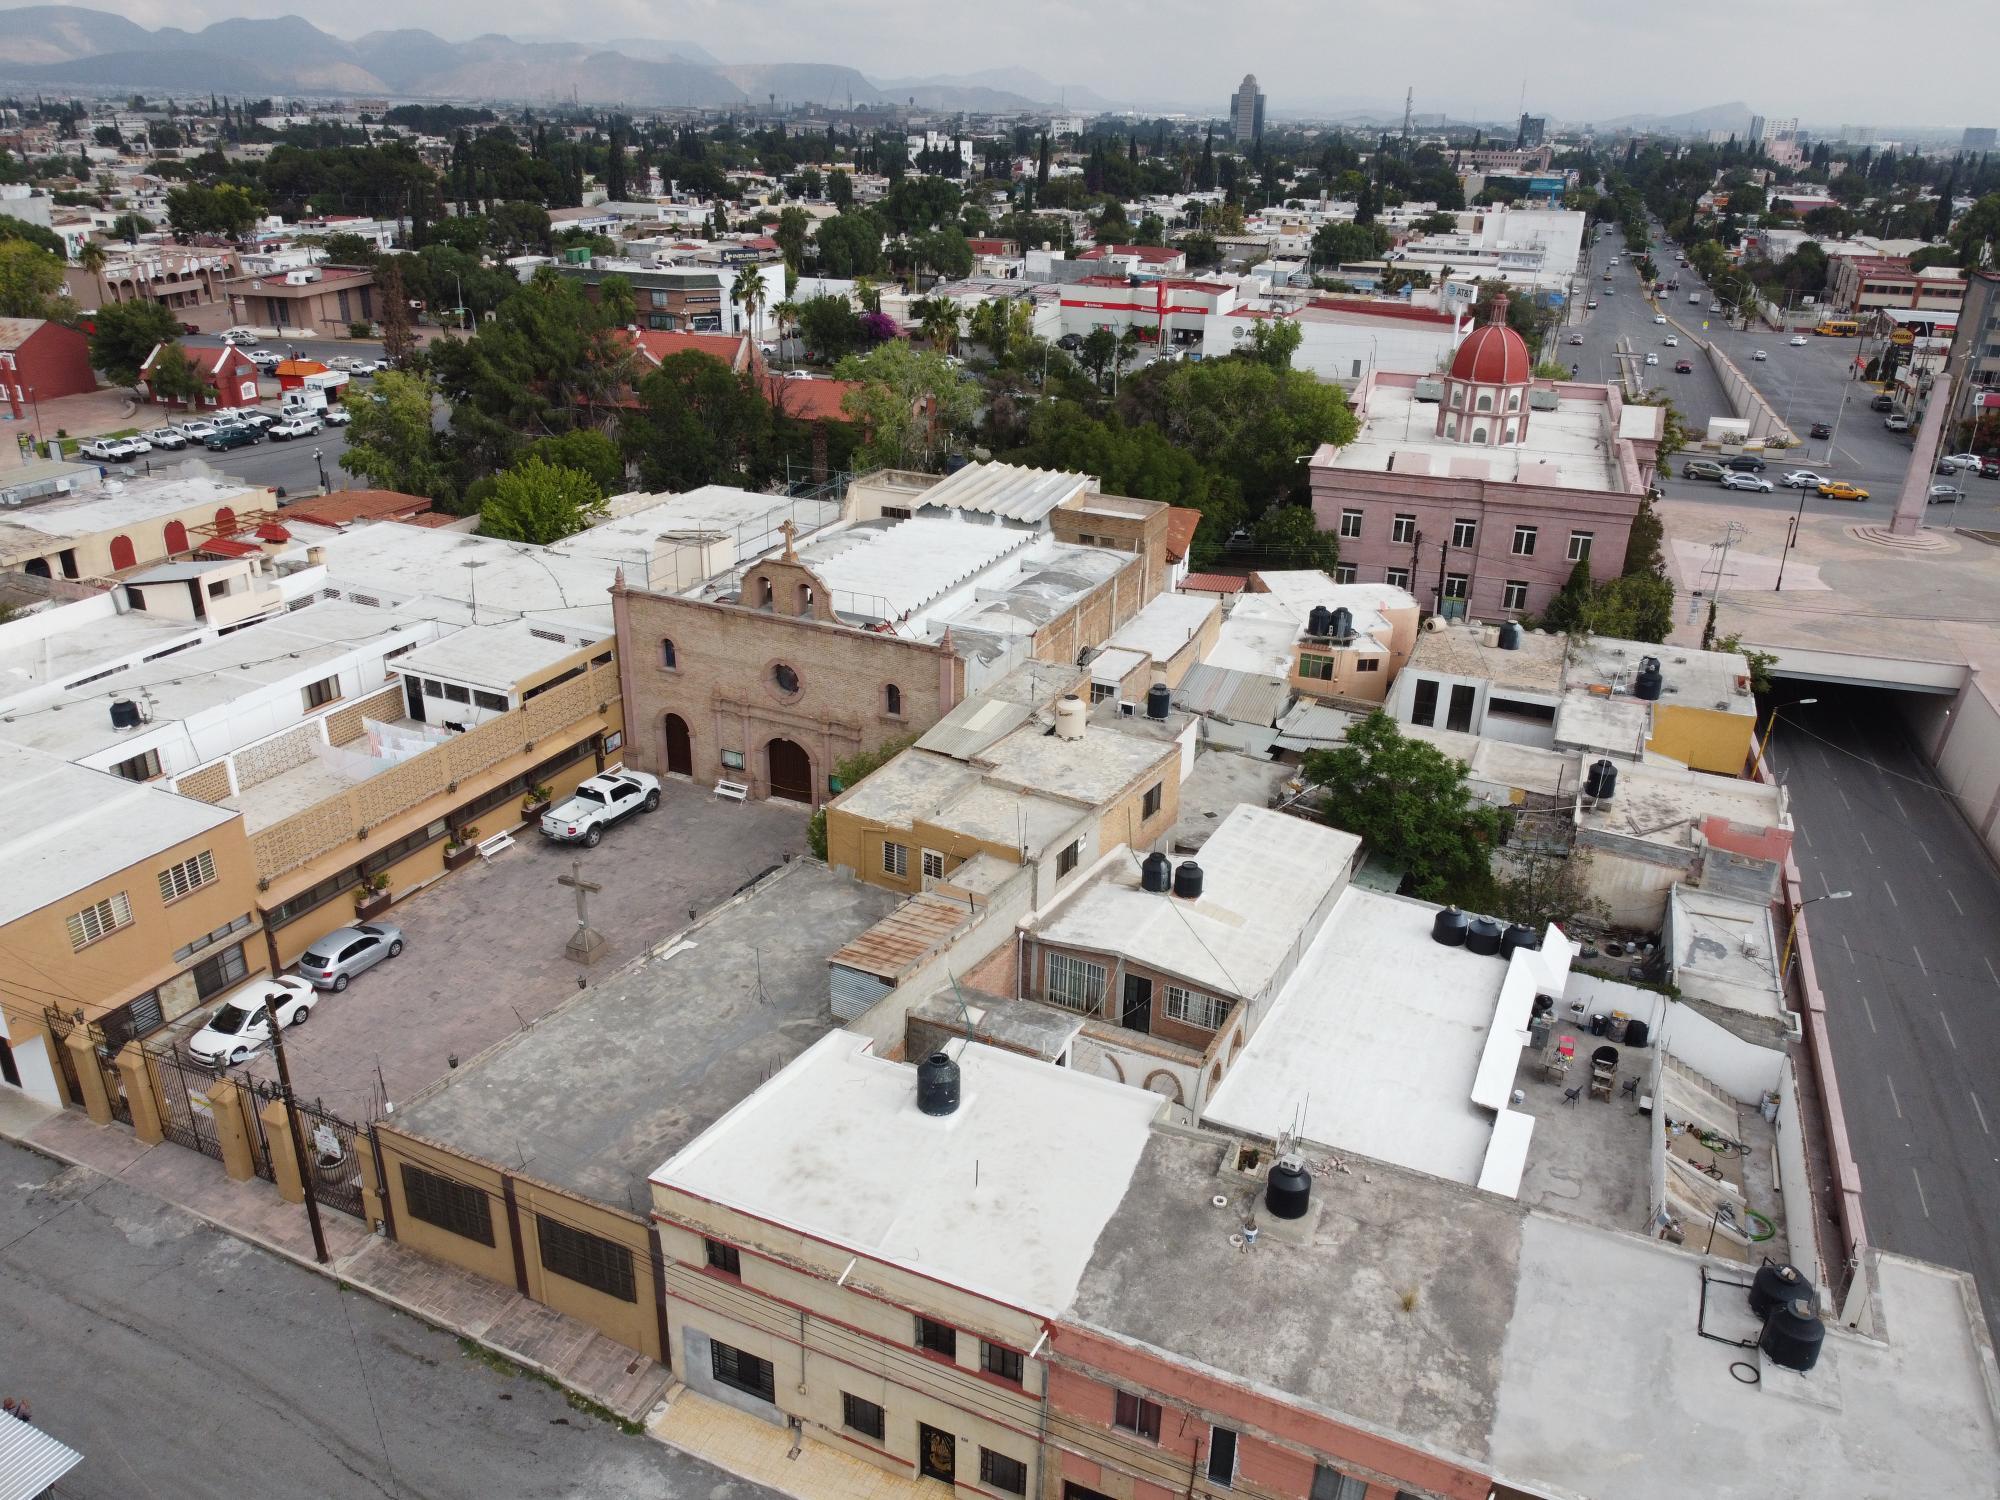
pixel 101 1052
pixel 331 1156
pixel 181 1089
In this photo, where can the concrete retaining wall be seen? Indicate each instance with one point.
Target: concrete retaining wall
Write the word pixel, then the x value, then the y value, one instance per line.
pixel 1960 737
pixel 1747 401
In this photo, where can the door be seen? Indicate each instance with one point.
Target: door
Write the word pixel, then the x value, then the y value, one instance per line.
pixel 937 1454
pixel 1137 1014
pixel 413 699
pixel 680 746
pixel 177 538
pixel 122 555
pixel 789 770
pixel 1458 717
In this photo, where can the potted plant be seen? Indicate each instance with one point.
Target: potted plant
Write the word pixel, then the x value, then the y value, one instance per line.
pixel 371 897
pixel 460 845
pixel 536 802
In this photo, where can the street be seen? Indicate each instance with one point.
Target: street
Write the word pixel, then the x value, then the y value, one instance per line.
pixel 1910 965
pixel 288 465
pixel 186 1365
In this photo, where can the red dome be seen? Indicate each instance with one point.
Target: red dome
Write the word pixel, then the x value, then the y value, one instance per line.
pixel 1492 354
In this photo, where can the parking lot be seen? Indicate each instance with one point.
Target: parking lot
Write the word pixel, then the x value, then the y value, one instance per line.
pixel 484 954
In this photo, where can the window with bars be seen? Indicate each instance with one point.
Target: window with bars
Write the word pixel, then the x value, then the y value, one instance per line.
pixel 933 865
pixel 864 1417
pixel 895 858
pixel 998 1359
pixel 1137 1414
pixel 1002 1472
pixel 190 874
pixel 1075 983
pixel 938 1338
pixel 1455 585
pixel 451 1206
pixel 1195 1008
pixel 1514 594
pixel 142 767
pixel 1524 541
pixel 220 970
pixel 1350 523
pixel 99 920
pixel 1464 533
pixel 723 1257
pixel 1070 857
pixel 1331 1484
pixel 741 1370
pixel 1403 529
pixel 590 1259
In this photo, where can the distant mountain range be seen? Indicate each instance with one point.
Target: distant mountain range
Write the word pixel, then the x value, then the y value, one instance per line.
pixel 54 47
pixel 1695 122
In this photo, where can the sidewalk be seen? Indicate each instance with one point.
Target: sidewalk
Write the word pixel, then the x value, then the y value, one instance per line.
pixel 573 1354
pixel 761 1452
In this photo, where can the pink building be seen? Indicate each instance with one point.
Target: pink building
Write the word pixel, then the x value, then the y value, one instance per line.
pixel 1480 491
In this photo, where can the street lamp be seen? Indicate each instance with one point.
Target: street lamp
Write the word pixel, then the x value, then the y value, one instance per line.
pixel 1785 963
pixel 1771 725
pixel 323 486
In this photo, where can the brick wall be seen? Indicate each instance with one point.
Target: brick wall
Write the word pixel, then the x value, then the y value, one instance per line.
pixel 344 724
pixel 209 784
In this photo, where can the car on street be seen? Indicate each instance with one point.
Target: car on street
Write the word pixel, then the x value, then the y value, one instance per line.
pixel 1798 341
pixel 189 328
pixel 241 1025
pixel 1801 479
pixel 293 427
pixel 1734 481
pixel 1746 463
pixel 225 438
pixel 1989 468
pixel 1896 422
pixel 266 360
pixel 598 803
pixel 1960 460
pixel 166 437
pixel 1652 359
pixel 242 338
pixel 1683 367
pixel 1945 494
pixel 1822 430
pixel 112 450
pixel 1591 305
pixel 369 368
pixel 1576 338
pixel 1702 468
pixel 1883 402
pixel 1840 489
pixel 1659 318
pixel 1672 341
pixel 346 951
pixel 1760 356
pixel 1611 291
pixel 336 416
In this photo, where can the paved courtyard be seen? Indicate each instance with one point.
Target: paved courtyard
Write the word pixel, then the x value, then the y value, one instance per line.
pixel 484 954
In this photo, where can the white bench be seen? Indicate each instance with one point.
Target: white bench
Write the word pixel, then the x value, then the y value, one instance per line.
pixel 492 846
pixel 735 791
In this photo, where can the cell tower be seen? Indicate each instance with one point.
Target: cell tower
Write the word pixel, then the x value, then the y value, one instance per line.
pixel 1409 103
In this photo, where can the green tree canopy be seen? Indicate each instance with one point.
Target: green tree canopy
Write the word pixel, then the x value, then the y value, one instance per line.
pixel 1410 804
pixel 127 332
pixel 850 244
pixel 173 378
pixel 12 228
pixel 31 281
pixel 1289 537
pixel 698 422
pixel 393 444
pixel 540 502
pixel 586 449
pixel 912 406
pixel 830 326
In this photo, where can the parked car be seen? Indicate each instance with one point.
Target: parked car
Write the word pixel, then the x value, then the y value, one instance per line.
pixel 598 803
pixel 1683 367
pixel 240 1025
pixel 1960 460
pixel 1840 489
pixel 242 338
pixel 1702 468
pixel 1759 355
pixel 1798 341
pixel 1896 422
pixel 1822 430
pixel 167 437
pixel 223 439
pixel 1739 481
pixel 111 450
pixel 1074 341
pixel 264 359
pixel 336 958
pixel 1746 463
pixel 1882 403
pixel 293 427
pixel 336 416
pixel 189 328
pixel 367 368
pixel 1801 479
pixel 196 429
pixel 1989 468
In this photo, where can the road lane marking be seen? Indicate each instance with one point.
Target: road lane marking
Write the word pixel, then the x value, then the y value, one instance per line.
pixel 1807 837
pixel 1927 850
pixel 1892 893
pixel 1865 844
pixel 1871 1016
pixel 1892 1095
pixel 1897 800
pixel 1843 801
pixel 1954 902
pixel 1946 1020
pixel 1978 1111
pixel 1920 960
pixel 1920 1193
pixel 1850 955
pixel 1991 970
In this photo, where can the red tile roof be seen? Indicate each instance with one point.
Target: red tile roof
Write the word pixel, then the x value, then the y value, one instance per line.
pixel 733 349
pixel 1368 307
pixel 810 400
pixel 1211 583
pixel 1181 523
pixel 344 507
pixel 224 546
pixel 432 518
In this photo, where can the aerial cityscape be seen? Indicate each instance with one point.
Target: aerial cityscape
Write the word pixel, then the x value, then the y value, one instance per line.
pixel 854 753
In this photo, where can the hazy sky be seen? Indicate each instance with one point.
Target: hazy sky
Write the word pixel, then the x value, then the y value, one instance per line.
pixel 1579 59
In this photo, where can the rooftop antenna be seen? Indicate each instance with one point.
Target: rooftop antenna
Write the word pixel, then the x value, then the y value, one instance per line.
pixel 1409 100
pixel 963 1009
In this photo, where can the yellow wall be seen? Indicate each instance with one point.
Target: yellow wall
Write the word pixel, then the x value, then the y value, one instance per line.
pixel 1703 739
pixel 148 537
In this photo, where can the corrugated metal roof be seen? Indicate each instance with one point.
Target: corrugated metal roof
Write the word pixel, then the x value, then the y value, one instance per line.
pixel 973 725
pixel 30 1460
pixel 1243 697
pixel 904 938
pixel 1010 490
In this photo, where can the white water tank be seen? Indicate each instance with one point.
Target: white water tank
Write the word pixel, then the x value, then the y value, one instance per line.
pixel 1070 716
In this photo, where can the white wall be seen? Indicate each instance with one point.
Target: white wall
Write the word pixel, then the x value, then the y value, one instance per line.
pixel 1969 763
pixel 1743 1070
pixel 36 1067
pixel 1794 1181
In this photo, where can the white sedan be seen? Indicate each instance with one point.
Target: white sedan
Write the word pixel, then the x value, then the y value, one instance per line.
pixel 1798 341
pixel 1751 482
pixel 1760 355
pixel 1671 341
pixel 1652 359
pixel 1659 318
pixel 1801 479
pixel 240 1025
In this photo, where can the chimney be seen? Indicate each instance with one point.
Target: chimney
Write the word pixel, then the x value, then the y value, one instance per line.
pixel 315 557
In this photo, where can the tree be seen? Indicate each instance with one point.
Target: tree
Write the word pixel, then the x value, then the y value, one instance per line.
pixel 1642 544
pixel 12 228
pixel 539 502
pixel 392 442
pixel 850 244
pixel 31 281
pixel 172 377
pixel 911 405
pixel 1273 341
pixel 830 327
pixel 1569 610
pixel 1289 537
pixel 128 227
pixel 225 209
pixel 592 452
pixel 127 332
pixel 698 422
pixel 791 231
pixel 840 189
pixel 1410 804
pixel 1334 244
pixel 1540 888
pixel 393 302
pixel 91 260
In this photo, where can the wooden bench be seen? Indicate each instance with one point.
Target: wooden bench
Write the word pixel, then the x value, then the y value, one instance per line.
pixel 491 846
pixel 735 791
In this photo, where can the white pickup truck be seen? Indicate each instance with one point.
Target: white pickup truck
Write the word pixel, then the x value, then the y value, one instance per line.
pixel 598 803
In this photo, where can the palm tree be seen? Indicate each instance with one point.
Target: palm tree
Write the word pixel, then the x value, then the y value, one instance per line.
pixel 92 259
pixel 937 318
pixel 750 291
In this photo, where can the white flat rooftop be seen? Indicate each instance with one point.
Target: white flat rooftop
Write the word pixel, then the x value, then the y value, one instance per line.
pixel 995 1197
pixel 106 506
pixel 445 574
pixel 1256 637
pixel 1167 623
pixel 750 518
pixel 95 645
pixel 498 656
pixel 1566 448
pixel 1264 874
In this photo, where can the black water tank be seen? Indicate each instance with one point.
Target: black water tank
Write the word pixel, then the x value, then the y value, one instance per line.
pixel 1793 1334
pixel 937 1085
pixel 1510 636
pixel 1482 935
pixel 1343 625
pixel 1159 700
pixel 1774 1285
pixel 1636 1033
pixel 1157 873
pixel 1448 927
pixel 1520 935
pixel 1599 1024
pixel 1320 621
pixel 1288 1190
pixel 1187 881
pixel 1650 680
pixel 124 714
pixel 1601 780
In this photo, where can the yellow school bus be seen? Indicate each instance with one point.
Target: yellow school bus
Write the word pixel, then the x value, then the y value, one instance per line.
pixel 1838 328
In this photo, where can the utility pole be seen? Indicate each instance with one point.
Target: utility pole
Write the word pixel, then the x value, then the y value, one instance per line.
pixel 292 1126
